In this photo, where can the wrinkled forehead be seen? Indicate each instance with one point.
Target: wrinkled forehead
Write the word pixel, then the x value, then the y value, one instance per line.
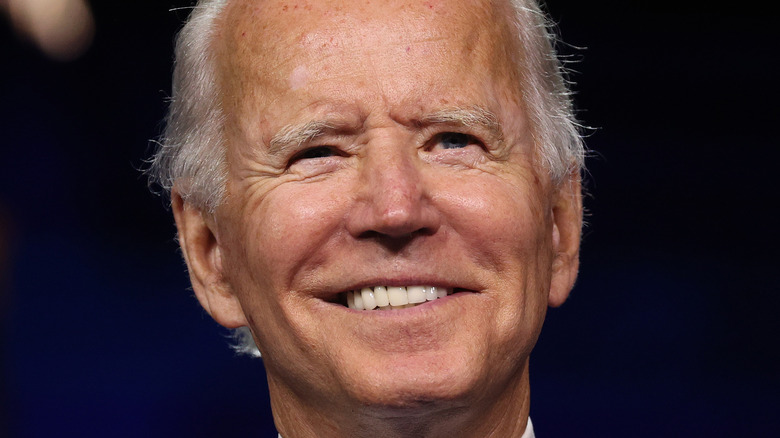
pixel 262 41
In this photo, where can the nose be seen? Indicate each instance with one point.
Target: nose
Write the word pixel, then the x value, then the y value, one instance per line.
pixel 394 197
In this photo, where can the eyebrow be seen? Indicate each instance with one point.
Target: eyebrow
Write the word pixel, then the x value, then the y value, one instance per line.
pixel 294 135
pixel 474 117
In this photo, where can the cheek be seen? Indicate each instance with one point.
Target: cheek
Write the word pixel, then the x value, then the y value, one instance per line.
pixel 503 222
pixel 286 226
pixel 506 229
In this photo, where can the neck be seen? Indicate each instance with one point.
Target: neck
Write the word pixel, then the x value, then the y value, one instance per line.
pixel 479 415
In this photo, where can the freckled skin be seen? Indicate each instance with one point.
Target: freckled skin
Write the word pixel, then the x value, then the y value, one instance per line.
pixel 387 203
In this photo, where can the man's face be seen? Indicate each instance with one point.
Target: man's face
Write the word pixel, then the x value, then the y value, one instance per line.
pixel 381 145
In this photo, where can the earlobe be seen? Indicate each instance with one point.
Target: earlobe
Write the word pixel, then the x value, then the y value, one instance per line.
pixel 566 232
pixel 203 255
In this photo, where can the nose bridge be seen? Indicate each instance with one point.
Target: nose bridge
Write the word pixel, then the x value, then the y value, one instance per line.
pixel 393 192
pixel 393 183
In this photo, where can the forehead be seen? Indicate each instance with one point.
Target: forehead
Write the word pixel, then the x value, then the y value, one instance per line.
pixel 405 49
pixel 272 26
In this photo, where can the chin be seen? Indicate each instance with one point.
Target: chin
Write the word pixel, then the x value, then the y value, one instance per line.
pixel 430 379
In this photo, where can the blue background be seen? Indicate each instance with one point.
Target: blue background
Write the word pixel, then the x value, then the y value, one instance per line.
pixel 670 331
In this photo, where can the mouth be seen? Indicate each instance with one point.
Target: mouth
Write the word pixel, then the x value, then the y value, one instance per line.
pixel 392 297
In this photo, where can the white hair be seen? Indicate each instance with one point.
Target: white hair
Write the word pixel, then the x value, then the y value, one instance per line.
pixel 546 94
pixel 191 153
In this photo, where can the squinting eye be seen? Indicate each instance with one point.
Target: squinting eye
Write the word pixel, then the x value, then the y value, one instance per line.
pixel 455 140
pixel 315 152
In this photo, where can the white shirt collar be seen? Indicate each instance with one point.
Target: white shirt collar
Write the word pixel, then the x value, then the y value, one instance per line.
pixel 529 430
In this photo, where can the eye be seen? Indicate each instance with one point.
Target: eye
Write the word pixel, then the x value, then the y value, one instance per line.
pixel 455 140
pixel 315 152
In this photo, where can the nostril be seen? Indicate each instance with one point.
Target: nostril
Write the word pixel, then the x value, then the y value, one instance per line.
pixel 390 241
pixel 396 242
pixel 374 234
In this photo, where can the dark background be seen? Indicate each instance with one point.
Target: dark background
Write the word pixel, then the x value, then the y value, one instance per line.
pixel 670 331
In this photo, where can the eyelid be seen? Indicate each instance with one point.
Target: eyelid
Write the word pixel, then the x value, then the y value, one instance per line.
pixel 437 137
pixel 299 160
pixel 301 154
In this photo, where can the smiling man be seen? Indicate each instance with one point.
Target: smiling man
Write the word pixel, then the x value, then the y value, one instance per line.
pixel 386 195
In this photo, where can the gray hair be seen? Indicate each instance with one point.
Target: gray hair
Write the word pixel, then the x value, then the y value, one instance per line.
pixel 545 90
pixel 191 152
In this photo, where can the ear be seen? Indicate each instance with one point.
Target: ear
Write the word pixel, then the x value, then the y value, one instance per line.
pixel 567 229
pixel 202 253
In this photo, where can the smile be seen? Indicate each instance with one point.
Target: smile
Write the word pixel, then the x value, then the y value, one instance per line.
pixel 393 297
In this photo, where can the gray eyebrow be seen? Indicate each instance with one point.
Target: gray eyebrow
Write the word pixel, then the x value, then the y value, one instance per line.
pixel 292 136
pixel 475 117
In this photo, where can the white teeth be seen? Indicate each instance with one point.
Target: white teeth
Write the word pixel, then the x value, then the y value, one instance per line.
pixel 416 294
pixel 369 302
pixel 398 296
pixel 430 293
pixel 359 301
pixel 380 295
pixel 393 297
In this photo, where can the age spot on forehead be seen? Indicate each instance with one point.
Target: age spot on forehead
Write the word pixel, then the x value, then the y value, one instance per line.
pixel 299 77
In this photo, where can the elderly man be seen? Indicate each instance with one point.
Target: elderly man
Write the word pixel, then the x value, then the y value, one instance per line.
pixel 386 195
